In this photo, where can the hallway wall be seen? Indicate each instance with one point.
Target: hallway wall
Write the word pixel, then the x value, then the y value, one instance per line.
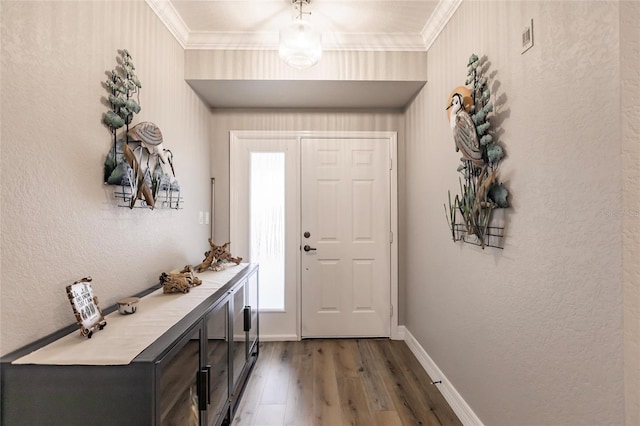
pixel 533 334
pixel 630 214
pixel 59 221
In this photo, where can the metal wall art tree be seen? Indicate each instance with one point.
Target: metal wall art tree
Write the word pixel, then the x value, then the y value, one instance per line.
pixel 145 173
pixel 469 111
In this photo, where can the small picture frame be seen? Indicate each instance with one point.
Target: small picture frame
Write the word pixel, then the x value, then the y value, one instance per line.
pixel 85 307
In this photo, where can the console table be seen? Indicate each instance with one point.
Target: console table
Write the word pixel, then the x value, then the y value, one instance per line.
pixel 181 359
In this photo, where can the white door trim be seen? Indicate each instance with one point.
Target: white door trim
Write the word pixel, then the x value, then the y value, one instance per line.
pixel 298 135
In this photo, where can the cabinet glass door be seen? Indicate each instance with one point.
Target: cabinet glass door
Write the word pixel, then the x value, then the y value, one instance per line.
pixel 217 361
pixel 178 383
pixel 252 297
pixel 239 341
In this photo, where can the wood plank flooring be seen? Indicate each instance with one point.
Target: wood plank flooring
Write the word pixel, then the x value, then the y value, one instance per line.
pixel 335 382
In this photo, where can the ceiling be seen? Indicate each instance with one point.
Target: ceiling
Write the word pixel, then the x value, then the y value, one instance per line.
pixel 366 25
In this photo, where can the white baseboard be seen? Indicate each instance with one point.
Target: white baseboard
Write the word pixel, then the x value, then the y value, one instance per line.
pixel 456 402
pixel 279 338
pixel 398 332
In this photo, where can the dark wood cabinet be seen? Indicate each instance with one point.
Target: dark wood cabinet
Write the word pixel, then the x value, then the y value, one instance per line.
pixel 215 373
pixel 194 374
pixel 245 338
pixel 177 375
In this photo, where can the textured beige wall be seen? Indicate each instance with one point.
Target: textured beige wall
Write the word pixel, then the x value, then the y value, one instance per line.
pixel 59 222
pixel 531 335
pixel 630 93
pixel 335 65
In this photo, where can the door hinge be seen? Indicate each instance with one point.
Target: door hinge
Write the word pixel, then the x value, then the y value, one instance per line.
pixel 391 237
pixel 391 311
pixel 390 164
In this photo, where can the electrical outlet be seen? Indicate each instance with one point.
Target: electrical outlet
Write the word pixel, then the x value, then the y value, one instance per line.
pixel 527 37
pixel 201 218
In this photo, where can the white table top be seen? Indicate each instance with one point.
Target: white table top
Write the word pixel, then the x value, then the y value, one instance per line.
pixel 125 336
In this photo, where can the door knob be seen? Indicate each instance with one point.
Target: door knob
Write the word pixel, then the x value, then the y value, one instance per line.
pixel 307 248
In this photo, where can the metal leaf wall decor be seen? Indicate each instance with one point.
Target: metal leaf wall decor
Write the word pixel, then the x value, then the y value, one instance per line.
pixel 137 163
pixel 470 110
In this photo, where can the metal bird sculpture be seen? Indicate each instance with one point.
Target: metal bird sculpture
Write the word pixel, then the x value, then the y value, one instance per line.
pixel 140 189
pixel 464 131
pixel 151 138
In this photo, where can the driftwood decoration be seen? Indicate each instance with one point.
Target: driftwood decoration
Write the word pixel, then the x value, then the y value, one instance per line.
pixel 180 282
pixel 216 258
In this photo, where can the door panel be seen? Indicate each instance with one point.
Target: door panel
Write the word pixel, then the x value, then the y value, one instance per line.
pixel 345 194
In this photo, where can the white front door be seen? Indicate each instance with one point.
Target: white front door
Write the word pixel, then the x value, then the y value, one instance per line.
pixel 346 237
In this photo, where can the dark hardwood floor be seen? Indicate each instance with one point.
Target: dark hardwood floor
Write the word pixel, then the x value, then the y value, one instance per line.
pixel 334 382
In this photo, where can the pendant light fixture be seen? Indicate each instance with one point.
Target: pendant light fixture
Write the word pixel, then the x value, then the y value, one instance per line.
pixel 300 42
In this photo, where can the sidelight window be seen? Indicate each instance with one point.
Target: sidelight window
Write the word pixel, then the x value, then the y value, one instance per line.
pixel 267 225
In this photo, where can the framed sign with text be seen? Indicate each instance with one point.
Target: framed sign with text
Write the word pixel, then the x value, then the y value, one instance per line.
pixel 85 307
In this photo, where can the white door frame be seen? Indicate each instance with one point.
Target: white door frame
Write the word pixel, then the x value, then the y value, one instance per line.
pixel 235 227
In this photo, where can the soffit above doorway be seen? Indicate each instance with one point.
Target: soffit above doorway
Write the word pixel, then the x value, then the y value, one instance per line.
pixel 306 94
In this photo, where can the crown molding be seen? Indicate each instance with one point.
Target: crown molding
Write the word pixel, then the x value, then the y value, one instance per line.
pixel 438 20
pixel 171 19
pixel 331 41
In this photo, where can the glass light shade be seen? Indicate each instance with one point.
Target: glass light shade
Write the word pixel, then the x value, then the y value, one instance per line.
pixel 300 44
